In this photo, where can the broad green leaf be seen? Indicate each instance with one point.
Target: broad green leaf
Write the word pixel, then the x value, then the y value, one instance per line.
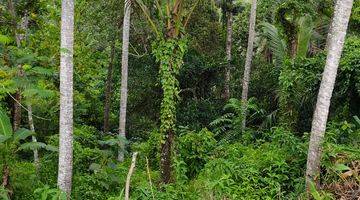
pixel 316 195
pixel 5 125
pixel 22 134
pixel 341 167
pixel 4 138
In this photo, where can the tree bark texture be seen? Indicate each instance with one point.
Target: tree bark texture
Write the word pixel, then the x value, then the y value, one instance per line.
pixel 249 55
pixel 166 157
pixel 66 97
pixel 32 128
pixel 124 77
pixel 335 45
pixel 227 77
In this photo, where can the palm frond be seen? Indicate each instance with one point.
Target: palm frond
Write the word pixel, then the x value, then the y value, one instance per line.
pixel 306 29
pixel 147 14
pixel 276 44
pixel 190 13
pixel 5 125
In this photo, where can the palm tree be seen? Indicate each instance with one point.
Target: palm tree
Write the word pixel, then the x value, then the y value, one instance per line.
pixel 169 49
pixel 124 76
pixel 336 38
pixel 66 97
pixel 249 55
pixel 278 45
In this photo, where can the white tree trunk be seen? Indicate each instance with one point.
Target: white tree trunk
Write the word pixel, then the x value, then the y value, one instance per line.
pixel 32 128
pixel 336 38
pixel 66 97
pixel 249 55
pixel 229 29
pixel 124 77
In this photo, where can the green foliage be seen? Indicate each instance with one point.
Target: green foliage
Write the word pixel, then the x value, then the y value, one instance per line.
pixel 240 172
pixel 5 125
pixel 4 193
pixel 170 54
pixel 24 180
pixel 319 195
pixel 229 125
pixel 305 33
pixel 46 193
pixel 267 161
pixel 275 42
pixel 195 150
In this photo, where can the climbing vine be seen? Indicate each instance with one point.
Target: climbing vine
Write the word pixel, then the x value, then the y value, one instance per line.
pixel 169 53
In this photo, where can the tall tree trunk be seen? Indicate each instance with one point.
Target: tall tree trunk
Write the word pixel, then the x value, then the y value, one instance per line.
pixel 124 76
pixel 166 157
pixel 229 28
pixel 66 97
pixel 249 55
pixel 32 128
pixel 336 38
pixel 108 90
pixel 17 101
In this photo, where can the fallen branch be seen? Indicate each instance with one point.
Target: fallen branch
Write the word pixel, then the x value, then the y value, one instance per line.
pixel 131 170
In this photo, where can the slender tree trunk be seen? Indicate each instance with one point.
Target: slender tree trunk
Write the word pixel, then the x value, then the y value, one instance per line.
pixel 66 97
pixel 17 101
pixel 124 76
pixel 249 55
pixel 336 38
pixel 6 179
pixel 108 90
pixel 17 110
pixel 229 29
pixel 166 157
pixel 20 37
pixel 32 128
pixel 294 47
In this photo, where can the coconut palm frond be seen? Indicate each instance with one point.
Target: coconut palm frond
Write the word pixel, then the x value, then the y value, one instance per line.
pixel 147 14
pixel 305 33
pixel 276 44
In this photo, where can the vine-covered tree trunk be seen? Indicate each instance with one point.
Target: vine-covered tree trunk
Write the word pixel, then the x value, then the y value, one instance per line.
pixel 249 55
pixel 124 76
pixel 336 38
pixel 169 53
pixel 66 97
pixel 229 28
pixel 108 90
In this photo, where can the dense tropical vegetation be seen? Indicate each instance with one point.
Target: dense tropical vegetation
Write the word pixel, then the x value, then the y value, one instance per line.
pixel 179 99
